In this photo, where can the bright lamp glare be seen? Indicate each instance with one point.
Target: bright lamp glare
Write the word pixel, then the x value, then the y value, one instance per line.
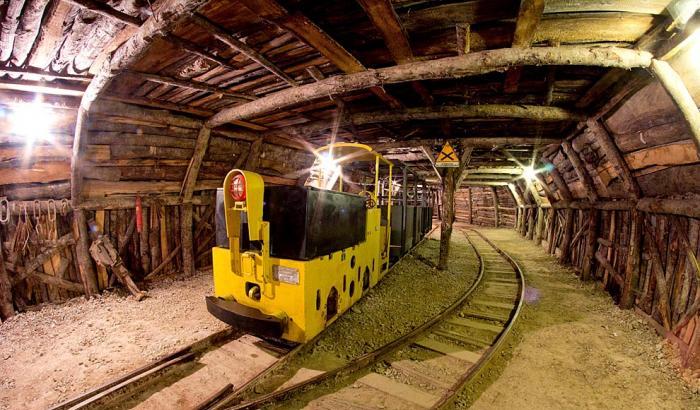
pixel 32 121
pixel 529 173
pixel 327 163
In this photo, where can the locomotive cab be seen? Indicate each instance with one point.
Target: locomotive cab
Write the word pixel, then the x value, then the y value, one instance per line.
pixel 290 259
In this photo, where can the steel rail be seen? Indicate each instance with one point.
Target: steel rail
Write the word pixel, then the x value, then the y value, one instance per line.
pixel 251 384
pixel 474 371
pixel 365 360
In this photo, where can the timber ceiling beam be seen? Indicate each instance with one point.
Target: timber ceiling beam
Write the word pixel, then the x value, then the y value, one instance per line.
pixel 105 10
pixel 35 72
pixel 445 68
pixel 531 112
pixel 613 155
pixel 385 19
pixel 529 17
pixel 430 155
pixel 192 85
pixel 220 34
pixel 580 170
pixel 474 142
pixel 308 32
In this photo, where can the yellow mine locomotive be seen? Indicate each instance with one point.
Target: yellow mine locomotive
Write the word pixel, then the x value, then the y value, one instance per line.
pixel 290 259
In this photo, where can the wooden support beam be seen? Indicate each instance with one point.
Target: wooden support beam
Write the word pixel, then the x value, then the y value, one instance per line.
pixel 495 206
pixel 385 19
pixel 612 153
pixel 529 16
pixel 192 85
pixel 226 38
pixel 37 73
pixel 633 260
pixel 539 227
pixel 502 111
pixel 85 266
pixel 199 51
pixel 8 27
pixel 192 174
pixel 105 10
pixel 673 83
pixel 658 269
pixel 445 68
pixel 551 229
pixel 42 87
pixel 581 172
pixel 308 32
pixel 7 309
pixel 474 142
pixel 428 151
pixel 464 161
pixel 565 247
pixel 589 252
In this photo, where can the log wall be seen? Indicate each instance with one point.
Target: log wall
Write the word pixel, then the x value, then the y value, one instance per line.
pixel 131 153
pixel 482 210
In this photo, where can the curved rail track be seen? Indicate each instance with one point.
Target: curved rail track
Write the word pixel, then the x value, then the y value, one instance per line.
pixel 426 367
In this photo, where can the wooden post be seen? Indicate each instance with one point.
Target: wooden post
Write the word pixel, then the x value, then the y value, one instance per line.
pixel 591 241
pixel 531 223
pixel 562 188
pixel 673 83
pixel 449 181
pixel 87 271
pixel 471 204
pixel 144 247
pixel 539 229
pixel 551 224
pixel 495 206
pixel 186 237
pixel 564 257
pixel 154 236
pixel 633 260
pixel 7 308
pixel 660 275
pixel 581 172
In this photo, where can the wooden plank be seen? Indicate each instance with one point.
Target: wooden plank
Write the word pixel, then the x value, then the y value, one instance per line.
pixel 526 24
pixel 102 277
pixel 38 172
pixel 311 34
pixel 613 155
pixel 679 153
pixel 457 352
pixel 399 390
pixel 581 171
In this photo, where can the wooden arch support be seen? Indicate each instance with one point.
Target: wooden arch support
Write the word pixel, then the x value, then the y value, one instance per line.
pixel 445 68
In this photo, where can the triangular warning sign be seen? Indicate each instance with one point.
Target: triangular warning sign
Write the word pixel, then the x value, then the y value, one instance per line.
pixel 447 157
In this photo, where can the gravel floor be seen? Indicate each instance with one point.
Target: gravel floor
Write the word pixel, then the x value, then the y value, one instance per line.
pixel 59 351
pixel 573 348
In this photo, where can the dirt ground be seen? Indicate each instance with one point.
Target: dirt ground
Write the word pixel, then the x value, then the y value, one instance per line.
pixel 57 352
pixel 573 348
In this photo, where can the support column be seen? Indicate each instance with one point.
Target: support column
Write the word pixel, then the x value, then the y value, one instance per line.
pixel 85 266
pixel 495 206
pixel 186 237
pixel 471 211
pixel 633 260
pixel 566 239
pixel 581 172
pixel 7 308
pixel 539 229
pixel 551 216
pixel 591 240
pixel 449 181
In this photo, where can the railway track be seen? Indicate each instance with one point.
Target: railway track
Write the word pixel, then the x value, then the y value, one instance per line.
pixel 192 377
pixel 427 367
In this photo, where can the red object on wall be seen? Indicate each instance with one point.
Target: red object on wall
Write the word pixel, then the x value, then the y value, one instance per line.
pixel 139 216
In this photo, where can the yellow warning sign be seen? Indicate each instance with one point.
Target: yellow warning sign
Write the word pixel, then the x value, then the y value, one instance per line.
pixel 447 158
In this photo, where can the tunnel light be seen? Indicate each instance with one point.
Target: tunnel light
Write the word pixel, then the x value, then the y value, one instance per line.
pixel 32 121
pixel 328 163
pixel 529 173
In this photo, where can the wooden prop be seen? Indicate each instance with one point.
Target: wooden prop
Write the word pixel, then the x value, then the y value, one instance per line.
pixel 104 253
pixel 659 273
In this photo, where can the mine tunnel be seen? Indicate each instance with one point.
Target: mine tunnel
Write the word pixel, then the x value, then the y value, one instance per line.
pixel 349 204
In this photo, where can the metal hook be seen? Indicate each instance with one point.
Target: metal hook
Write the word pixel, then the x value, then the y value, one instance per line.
pixel 36 205
pixel 6 217
pixel 51 209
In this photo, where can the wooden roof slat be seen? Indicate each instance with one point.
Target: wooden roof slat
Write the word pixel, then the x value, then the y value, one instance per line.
pixel 310 33
pixel 220 34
